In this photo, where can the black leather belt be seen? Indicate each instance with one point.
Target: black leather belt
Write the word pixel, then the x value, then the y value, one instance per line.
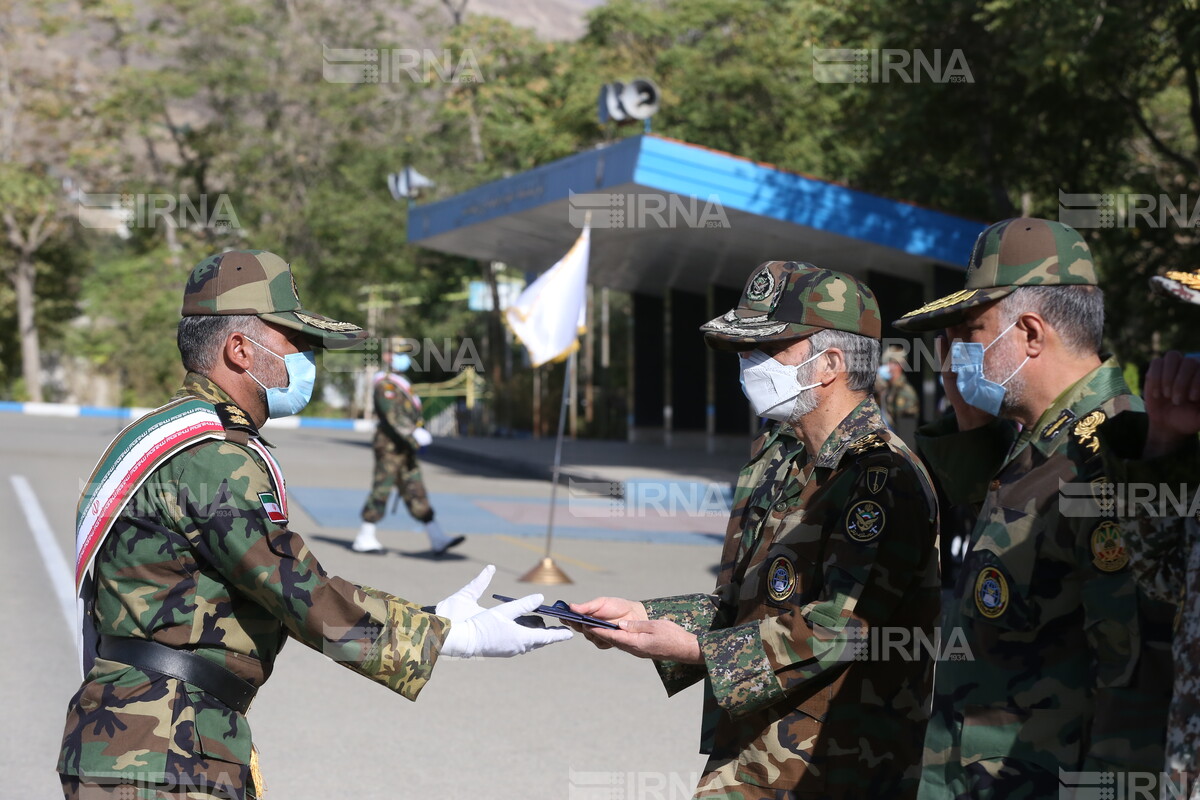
pixel 208 677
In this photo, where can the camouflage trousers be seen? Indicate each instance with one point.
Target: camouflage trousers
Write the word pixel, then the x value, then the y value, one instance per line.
pixel 721 782
pixel 396 465
pixel 721 785
pixel 74 789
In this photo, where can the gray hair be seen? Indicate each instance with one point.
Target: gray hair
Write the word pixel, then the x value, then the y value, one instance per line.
pixel 862 356
pixel 1076 313
pixel 200 339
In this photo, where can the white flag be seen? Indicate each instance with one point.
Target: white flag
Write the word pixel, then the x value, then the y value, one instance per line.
pixel 551 313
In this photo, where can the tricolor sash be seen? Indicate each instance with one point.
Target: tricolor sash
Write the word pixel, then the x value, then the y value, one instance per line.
pixel 132 457
pixel 404 384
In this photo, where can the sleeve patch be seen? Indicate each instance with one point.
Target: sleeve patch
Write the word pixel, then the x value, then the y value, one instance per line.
pixel 272 508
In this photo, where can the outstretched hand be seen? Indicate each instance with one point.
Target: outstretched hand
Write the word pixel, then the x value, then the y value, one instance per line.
pixel 658 639
pixel 492 632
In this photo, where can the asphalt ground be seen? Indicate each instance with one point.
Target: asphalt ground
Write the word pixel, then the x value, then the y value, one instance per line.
pixel 564 722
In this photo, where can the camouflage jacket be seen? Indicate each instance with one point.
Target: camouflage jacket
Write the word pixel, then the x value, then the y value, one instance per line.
pixel 1159 506
pixel 822 552
pixel 1069 663
pixel 397 409
pixel 193 561
pixel 898 400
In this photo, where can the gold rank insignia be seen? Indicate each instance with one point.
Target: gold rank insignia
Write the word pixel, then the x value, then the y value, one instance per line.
pixel 991 592
pixel 781 579
pixel 1085 430
pixel 876 479
pixel 1108 547
pixel 232 415
pixel 865 521
pixel 865 444
pixel 960 296
pixel 1188 279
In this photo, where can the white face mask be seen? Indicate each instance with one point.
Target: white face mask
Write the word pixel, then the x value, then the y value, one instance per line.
pixel 771 387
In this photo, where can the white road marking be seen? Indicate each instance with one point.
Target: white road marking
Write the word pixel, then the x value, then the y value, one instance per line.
pixel 52 555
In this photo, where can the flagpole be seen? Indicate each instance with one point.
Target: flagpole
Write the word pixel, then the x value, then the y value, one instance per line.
pixel 547 571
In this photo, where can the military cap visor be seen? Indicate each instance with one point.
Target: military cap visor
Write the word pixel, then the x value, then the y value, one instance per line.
pixel 737 331
pixel 1182 285
pixel 255 282
pixel 1008 255
pixel 787 300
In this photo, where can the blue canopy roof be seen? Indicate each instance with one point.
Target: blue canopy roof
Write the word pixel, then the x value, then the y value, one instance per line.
pixel 667 214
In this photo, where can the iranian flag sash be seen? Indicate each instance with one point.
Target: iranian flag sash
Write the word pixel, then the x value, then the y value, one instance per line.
pixel 132 457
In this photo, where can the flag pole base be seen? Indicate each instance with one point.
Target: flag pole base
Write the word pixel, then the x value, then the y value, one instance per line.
pixel 547 572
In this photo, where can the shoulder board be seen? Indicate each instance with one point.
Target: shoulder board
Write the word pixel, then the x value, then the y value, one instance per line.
pixel 238 427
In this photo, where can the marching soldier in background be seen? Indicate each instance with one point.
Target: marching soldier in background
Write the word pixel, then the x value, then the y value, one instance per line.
pixel 399 434
pixel 190 581
pixel 896 397
pixel 1071 663
pixel 831 548
pixel 1163 540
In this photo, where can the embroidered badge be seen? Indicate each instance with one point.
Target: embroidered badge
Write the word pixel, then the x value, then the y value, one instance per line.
pixel 865 521
pixel 271 506
pixel 876 479
pixel 761 286
pixel 1052 430
pixel 1085 430
pixel 991 592
pixel 326 324
pixel 1108 547
pixel 781 581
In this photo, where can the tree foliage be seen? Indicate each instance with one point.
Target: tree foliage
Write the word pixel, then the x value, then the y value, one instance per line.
pixel 230 98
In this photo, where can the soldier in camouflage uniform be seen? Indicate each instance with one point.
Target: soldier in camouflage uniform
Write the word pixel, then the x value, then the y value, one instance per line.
pixel 399 434
pixel 1163 540
pixel 896 397
pixel 191 592
pixel 1070 660
pixel 831 550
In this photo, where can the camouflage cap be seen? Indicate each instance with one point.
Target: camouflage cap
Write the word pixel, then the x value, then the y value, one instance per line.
pixel 789 300
pixel 1007 255
pixel 1184 285
pixel 260 283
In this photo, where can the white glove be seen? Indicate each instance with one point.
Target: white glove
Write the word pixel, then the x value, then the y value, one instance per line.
pixel 492 632
pixel 422 437
pixel 464 604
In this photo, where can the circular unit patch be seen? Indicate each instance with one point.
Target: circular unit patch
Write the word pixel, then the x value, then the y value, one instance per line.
pixel 781 580
pixel 865 521
pixel 991 592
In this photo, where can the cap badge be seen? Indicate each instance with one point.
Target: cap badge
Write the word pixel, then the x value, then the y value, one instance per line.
pixel 761 286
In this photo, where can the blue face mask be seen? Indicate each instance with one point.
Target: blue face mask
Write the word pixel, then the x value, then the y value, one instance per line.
pixel 302 374
pixel 966 361
pixel 401 362
pixel 1193 355
pixel 885 372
